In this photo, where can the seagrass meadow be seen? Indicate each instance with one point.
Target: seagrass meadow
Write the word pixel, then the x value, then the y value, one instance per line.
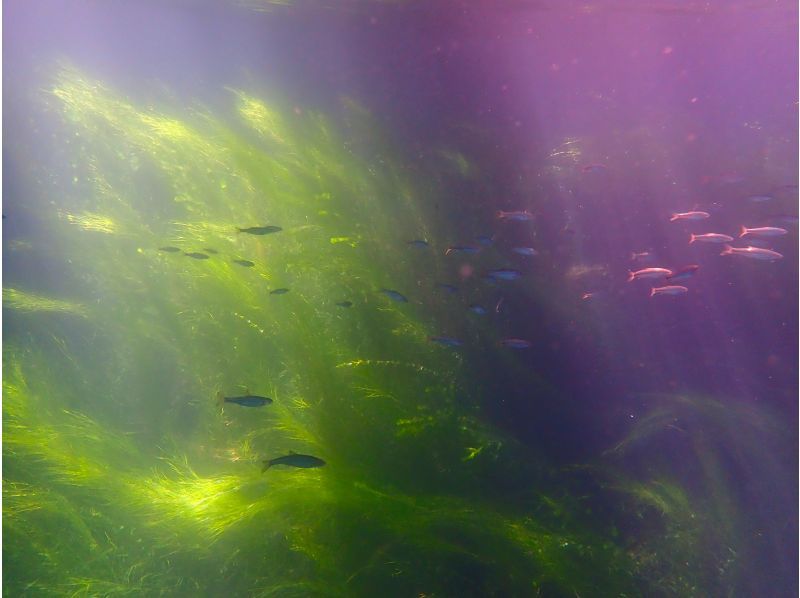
pixel 135 299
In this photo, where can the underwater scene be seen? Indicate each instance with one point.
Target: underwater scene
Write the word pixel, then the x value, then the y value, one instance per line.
pixel 422 298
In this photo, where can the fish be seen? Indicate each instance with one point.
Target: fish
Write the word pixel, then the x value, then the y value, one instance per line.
pixel 477 309
pixel 643 256
pixel 345 304
pixel 247 400
pixel 648 273
pixel 470 249
pixel 293 460
pixel 668 290
pixel 485 240
pixel 515 343
pixel 281 291
pixel 503 274
pixel 594 168
pixel 394 295
pixel 756 253
pixel 684 273
pixel 196 256
pixel 695 215
pixel 418 243
pixel 588 295
pixel 710 238
pixel 169 249
pixel 445 341
pixel 763 231
pixel 260 230
pixel 210 250
pixel 245 263
pixel 516 215
pixel 760 198
pixel 448 287
pixel 529 251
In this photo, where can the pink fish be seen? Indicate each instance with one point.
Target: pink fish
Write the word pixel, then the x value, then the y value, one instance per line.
pixel 649 273
pixel 690 216
pixel 668 290
pixel 756 253
pixel 764 231
pixel 515 343
pixel 643 256
pixel 710 238
pixel 518 215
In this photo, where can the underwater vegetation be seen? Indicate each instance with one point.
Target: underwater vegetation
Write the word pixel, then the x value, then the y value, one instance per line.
pixel 124 476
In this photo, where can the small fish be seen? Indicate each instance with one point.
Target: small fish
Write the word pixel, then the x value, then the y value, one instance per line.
pixel 260 230
pixel 710 238
pixel 485 240
pixel 211 250
pixel 247 400
pixel 764 231
pixel 760 198
pixel 245 263
pixel 503 274
pixel 394 295
pixel 196 256
pixel 643 256
pixel 294 460
pixel 529 251
pixel 515 343
pixel 448 287
pixel 345 304
pixel 477 309
pixel 470 249
pixel 596 168
pixel 785 218
pixel 169 249
pixel 648 273
pixel 684 273
pixel 586 296
pixel 668 290
pixel 516 215
pixel 279 291
pixel 499 305
pixel 756 253
pixel 445 341
pixel 689 216
pixel 418 243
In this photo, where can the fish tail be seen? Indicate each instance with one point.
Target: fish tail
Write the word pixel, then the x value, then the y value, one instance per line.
pixel 266 465
pixel 221 398
pixel 652 291
pixel 239 230
pixel 501 214
pixel 743 232
pixel 692 238
pixel 727 251
pixel 631 275
pixel 448 251
pixel 673 218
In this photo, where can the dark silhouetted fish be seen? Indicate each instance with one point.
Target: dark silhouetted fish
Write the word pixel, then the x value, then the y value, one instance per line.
pixel 245 400
pixel 245 263
pixel 515 343
pixel 684 273
pixel 211 250
pixel 446 341
pixel 260 230
pixel 294 460
pixel 345 304
pixel 394 295
pixel 503 274
pixel 169 249
pixel 279 292
pixel 196 256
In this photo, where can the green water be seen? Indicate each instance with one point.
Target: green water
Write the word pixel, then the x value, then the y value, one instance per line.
pixel 123 476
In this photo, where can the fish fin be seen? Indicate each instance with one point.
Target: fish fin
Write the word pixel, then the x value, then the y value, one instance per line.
pixel 727 251
pixel 266 465
pixel 743 231
pixel 673 218
pixel 292 453
pixel 691 238
pixel 220 397
pixel 652 291
pixel 631 275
